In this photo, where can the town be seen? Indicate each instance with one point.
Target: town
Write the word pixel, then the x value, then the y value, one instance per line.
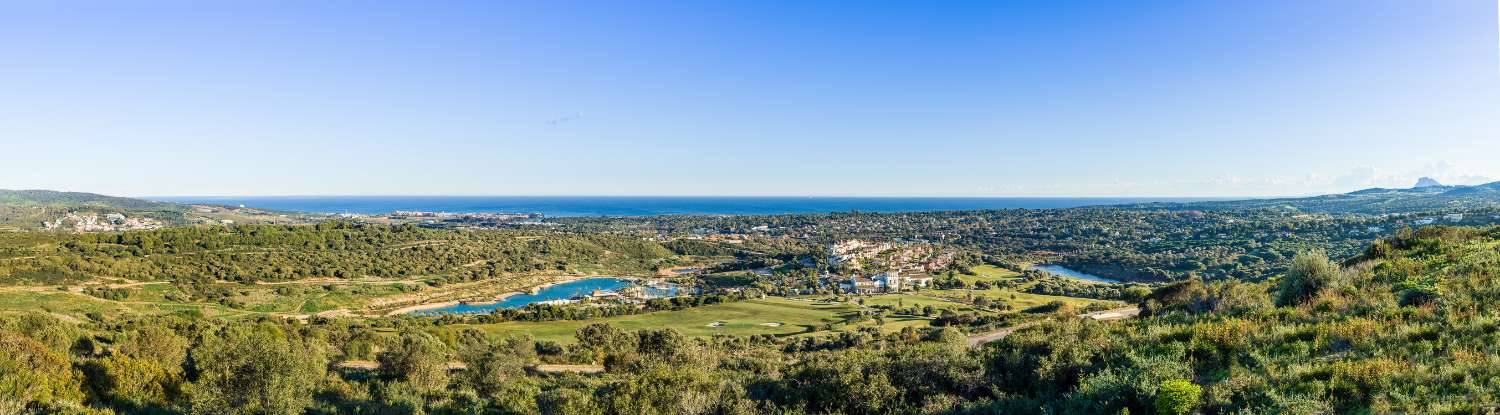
pixel 111 222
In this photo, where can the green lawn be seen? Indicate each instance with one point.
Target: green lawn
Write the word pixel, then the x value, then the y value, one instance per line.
pixel 988 273
pixel 922 298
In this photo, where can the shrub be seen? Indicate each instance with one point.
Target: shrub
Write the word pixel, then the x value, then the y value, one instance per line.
pixel 1309 273
pixel 1189 295
pixel 1177 397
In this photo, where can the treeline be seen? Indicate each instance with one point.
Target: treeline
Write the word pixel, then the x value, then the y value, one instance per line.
pixel 249 253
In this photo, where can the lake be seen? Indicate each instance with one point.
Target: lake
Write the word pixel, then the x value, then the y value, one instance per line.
pixel 562 291
pixel 564 206
pixel 1064 271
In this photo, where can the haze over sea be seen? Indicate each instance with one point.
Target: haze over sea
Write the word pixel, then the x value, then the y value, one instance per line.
pixel 564 206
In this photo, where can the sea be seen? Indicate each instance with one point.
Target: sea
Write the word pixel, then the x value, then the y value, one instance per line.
pixel 570 206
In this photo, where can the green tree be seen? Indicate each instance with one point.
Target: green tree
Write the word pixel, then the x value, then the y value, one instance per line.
pixel 33 377
pixel 419 359
pixel 255 370
pixel 158 344
pixel 133 383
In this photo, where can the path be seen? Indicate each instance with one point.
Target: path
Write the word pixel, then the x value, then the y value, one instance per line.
pixel 1115 314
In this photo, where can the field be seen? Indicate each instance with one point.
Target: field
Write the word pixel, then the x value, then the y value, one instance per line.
pixel 794 316
pixel 277 299
pixel 1016 299
pixel 988 273
pixel 75 306
pixel 909 300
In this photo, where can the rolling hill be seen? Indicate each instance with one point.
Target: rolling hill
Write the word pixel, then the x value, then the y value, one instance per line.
pixel 1428 196
pixel 47 209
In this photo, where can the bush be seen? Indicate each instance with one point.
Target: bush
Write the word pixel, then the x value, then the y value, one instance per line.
pixel 1309 273
pixel 1177 397
pixel 1189 295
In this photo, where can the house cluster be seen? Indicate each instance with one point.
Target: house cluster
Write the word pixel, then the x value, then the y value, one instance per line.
pixel 1451 217
pixel 889 281
pixel 907 257
pixel 595 295
pixel 906 265
pixel 853 251
pixel 480 220
pixel 112 222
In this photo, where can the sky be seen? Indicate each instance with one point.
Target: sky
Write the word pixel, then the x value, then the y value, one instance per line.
pixel 831 98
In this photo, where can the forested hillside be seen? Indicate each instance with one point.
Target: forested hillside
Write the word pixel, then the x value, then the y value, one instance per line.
pixel 27 209
pixel 1410 326
pixel 48 198
pixel 251 253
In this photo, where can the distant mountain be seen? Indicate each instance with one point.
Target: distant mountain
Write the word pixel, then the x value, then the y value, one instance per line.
pixel 77 211
pixel 1489 189
pixel 46 209
pixel 49 198
pixel 1427 182
pixel 1427 195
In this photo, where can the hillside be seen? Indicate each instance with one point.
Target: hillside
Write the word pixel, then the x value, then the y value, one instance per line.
pixel 1374 201
pixel 89 212
pixel 1410 326
pixel 44 209
pixel 49 198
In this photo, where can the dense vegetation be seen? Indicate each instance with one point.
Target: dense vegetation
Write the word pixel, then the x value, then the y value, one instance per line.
pixel 1408 325
pixel 249 253
pixel 27 209
pixel 1138 244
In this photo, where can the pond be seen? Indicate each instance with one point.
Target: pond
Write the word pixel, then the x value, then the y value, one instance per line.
pixel 562 291
pixel 1064 271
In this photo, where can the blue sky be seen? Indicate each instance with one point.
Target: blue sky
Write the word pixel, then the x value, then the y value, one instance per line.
pixel 1096 98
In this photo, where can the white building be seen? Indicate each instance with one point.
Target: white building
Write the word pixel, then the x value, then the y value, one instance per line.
pixel 859 285
pixel 892 281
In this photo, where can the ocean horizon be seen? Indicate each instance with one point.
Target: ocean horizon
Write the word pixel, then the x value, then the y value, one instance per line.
pixel 576 206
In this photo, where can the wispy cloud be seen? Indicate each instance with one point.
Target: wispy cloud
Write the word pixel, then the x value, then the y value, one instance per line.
pixel 564 119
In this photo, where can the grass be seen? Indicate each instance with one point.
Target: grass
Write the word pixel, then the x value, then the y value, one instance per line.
pixel 79 305
pixel 988 273
pixel 1018 300
pixel 71 304
pixel 918 299
pixel 737 318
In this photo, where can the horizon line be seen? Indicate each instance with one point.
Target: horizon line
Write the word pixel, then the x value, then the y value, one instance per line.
pixel 718 196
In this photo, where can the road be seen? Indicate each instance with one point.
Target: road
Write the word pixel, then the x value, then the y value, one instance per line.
pixel 1115 314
